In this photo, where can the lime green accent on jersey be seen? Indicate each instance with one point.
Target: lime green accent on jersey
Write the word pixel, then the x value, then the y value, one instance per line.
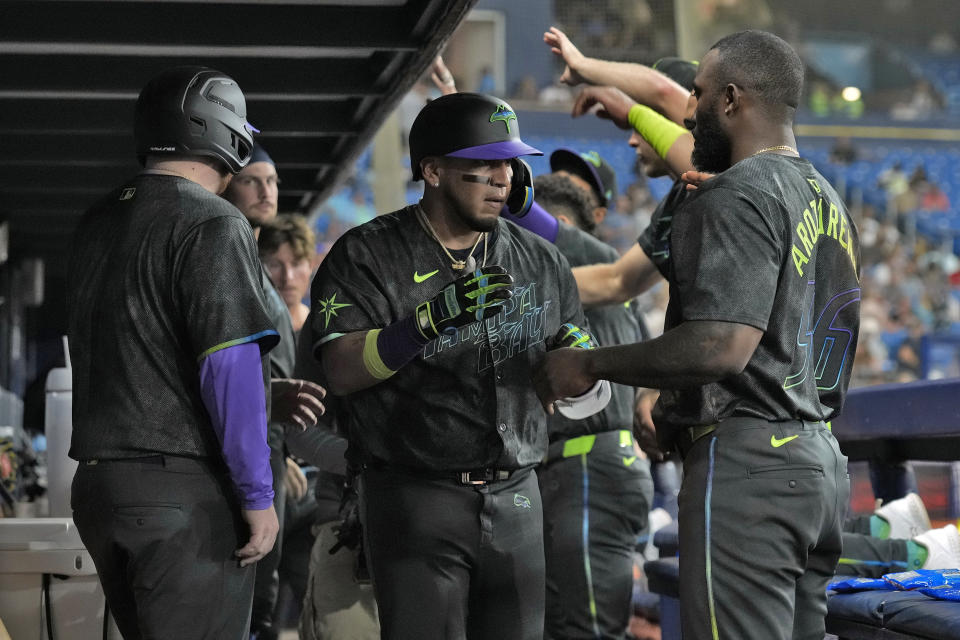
pixel 776 442
pixel 328 308
pixel 629 461
pixel 504 115
pixel 822 219
pixel 578 446
pixel 233 343
pixel 829 426
pixel 421 278
pixel 371 357
pixel 626 438
pixel 655 129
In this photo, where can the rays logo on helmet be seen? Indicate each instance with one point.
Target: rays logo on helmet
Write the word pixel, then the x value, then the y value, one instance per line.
pixel 592 157
pixel 503 114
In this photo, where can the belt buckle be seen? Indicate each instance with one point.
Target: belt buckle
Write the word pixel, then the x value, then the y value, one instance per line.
pixel 467 479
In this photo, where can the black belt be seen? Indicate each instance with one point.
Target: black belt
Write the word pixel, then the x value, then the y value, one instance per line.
pixel 689 436
pixel 472 477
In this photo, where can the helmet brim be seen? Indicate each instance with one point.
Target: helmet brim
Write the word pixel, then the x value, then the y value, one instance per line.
pixel 496 151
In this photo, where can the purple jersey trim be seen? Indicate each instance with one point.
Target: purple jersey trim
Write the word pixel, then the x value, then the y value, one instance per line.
pixel 496 151
pixel 231 385
pixel 538 220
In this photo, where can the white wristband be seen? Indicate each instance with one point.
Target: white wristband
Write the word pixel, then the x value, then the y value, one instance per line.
pixel 592 401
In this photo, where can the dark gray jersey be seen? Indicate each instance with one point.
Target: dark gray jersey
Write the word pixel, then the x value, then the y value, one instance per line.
pixel 610 325
pixel 467 401
pixel 162 272
pixel 768 243
pixel 655 239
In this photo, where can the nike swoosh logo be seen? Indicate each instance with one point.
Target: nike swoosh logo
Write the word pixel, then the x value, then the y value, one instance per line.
pixel 629 461
pixel 779 442
pixel 420 278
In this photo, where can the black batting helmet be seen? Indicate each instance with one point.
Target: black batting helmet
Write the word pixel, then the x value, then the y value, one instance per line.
pixel 466 125
pixel 193 111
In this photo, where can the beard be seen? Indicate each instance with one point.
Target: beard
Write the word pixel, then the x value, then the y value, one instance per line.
pixel 711 145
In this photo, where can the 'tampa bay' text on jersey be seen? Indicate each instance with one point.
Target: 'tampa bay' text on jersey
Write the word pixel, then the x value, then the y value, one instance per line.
pixel 467 401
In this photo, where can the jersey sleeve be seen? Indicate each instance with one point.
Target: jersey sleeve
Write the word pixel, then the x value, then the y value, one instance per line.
pixel 726 259
pixel 219 287
pixel 347 294
pixel 571 309
pixel 655 239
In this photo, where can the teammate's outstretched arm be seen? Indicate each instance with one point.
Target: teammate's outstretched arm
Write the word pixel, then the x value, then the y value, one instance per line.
pixel 616 282
pixel 692 354
pixel 671 141
pixel 361 359
pixel 645 85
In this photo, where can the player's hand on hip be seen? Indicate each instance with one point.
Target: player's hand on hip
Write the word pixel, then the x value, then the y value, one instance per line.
pixel 296 401
pixel 294 482
pixel 472 297
pixel 563 373
pixel 263 534
pixel 560 44
pixel 610 103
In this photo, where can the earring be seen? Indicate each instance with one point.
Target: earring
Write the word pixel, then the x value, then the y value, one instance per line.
pixel 436 184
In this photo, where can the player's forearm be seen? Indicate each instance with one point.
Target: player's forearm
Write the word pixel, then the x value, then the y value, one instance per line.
pixel 599 284
pixel 680 156
pixel 363 359
pixel 617 282
pixel 693 354
pixel 643 84
pixel 231 386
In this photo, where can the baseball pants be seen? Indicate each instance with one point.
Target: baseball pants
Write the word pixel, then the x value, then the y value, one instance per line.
pixel 596 497
pixel 451 561
pixel 162 532
pixel 761 511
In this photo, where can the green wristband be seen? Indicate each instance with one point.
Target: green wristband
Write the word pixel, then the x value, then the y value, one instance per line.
pixel 660 132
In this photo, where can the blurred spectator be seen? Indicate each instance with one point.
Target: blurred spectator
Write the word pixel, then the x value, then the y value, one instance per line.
pixel 923 103
pixel 486 83
pixel 932 198
pixel 556 93
pixel 820 99
pixel 525 89
pixel 942 42
pixel 843 151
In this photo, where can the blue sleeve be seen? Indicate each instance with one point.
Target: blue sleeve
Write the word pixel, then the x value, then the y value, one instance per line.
pixel 231 384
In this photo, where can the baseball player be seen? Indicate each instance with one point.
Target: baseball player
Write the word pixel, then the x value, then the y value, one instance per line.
pixel 596 487
pixel 428 322
pixel 169 336
pixel 759 339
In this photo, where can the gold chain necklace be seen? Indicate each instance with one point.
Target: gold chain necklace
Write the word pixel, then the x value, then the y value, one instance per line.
pixel 779 147
pixel 457 265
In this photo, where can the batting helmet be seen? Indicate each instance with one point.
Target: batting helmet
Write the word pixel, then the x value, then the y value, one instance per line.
pixel 466 125
pixel 193 111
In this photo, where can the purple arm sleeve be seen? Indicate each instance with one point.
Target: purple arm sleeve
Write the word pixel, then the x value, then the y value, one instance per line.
pixel 231 385
pixel 538 220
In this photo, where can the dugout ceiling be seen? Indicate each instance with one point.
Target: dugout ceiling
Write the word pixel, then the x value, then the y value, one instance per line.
pixel 319 76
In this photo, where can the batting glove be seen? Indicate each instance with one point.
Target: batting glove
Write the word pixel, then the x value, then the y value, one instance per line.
pixel 470 298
